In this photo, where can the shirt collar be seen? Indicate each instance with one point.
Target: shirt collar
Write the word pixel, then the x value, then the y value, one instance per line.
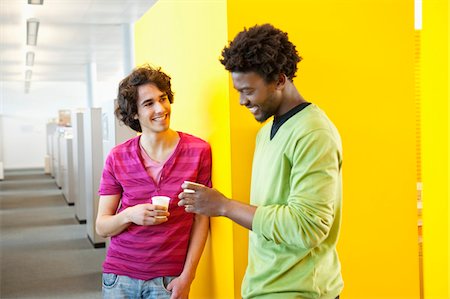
pixel 280 120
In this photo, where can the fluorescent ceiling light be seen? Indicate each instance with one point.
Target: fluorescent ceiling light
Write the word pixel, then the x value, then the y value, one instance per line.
pixel 28 75
pixel 32 31
pixel 39 2
pixel 29 59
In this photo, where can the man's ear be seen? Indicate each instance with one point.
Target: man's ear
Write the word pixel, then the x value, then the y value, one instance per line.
pixel 281 82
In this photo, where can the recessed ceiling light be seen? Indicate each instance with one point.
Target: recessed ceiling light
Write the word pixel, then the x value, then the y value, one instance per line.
pixel 36 2
pixel 28 75
pixel 32 31
pixel 29 59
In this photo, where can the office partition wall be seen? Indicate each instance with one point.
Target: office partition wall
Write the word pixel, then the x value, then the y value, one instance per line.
pixel 93 149
pixel 68 174
pixel 79 167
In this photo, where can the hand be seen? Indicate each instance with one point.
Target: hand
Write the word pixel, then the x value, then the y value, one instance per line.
pixel 145 214
pixel 205 201
pixel 179 287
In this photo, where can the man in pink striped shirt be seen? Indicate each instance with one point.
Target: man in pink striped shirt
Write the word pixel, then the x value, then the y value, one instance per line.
pixel 150 256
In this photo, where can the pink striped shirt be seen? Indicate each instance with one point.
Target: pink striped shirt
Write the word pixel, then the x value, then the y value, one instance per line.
pixel 153 168
pixel 146 252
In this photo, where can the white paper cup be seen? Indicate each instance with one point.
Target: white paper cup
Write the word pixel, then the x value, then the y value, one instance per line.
pixel 194 183
pixel 161 201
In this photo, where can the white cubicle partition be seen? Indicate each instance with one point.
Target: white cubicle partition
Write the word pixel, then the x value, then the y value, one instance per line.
pixel 68 172
pixel 2 174
pixel 50 131
pixel 61 177
pixel 79 166
pixel 57 167
pixel 54 148
pixel 114 132
pixel 61 157
pixel 93 149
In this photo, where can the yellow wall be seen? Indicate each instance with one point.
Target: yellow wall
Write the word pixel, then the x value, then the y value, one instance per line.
pixel 243 131
pixel 358 66
pixel 185 38
pixel 435 149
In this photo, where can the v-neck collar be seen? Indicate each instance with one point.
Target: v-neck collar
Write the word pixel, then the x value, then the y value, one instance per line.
pixel 280 120
pixel 168 161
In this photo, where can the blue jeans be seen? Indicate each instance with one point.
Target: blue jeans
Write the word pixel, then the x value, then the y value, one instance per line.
pixel 124 287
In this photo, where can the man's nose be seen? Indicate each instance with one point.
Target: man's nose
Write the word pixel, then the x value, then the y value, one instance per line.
pixel 159 107
pixel 243 101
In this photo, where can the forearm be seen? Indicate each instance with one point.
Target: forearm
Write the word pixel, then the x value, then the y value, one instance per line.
pixel 209 201
pixel 111 225
pixel 199 234
pixel 239 212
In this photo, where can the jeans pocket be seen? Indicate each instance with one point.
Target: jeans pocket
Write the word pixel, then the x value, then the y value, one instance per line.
pixel 165 280
pixel 109 280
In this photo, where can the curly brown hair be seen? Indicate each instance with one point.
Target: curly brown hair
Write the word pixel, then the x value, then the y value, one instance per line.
pixel 263 49
pixel 127 96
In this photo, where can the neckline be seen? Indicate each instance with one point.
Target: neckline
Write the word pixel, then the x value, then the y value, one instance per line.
pixel 279 121
pixel 172 156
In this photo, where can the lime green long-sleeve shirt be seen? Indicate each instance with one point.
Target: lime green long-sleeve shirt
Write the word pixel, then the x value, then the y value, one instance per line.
pixel 296 184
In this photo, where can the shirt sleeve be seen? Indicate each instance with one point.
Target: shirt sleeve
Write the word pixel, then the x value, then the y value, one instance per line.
pixel 306 219
pixel 109 185
pixel 204 173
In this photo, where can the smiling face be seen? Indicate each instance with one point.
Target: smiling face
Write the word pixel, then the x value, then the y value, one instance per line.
pixel 153 109
pixel 261 98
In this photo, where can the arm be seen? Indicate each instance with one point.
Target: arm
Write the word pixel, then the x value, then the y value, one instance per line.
pixel 180 286
pixel 240 213
pixel 306 218
pixel 210 202
pixel 109 223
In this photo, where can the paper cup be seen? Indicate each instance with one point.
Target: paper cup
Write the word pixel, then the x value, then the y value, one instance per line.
pixel 194 183
pixel 161 201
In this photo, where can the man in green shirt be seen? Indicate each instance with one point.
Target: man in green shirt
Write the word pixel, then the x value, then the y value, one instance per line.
pixel 294 214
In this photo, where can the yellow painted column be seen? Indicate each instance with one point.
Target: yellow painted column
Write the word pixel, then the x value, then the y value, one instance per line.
pixel 435 149
pixel 359 67
pixel 186 38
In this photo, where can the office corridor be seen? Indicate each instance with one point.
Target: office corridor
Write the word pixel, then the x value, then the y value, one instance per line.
pixel 44 252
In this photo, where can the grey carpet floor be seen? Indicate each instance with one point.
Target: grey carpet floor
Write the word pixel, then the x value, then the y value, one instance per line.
pixel 44 252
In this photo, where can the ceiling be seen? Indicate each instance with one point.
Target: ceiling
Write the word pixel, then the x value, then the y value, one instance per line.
pixel 71 35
